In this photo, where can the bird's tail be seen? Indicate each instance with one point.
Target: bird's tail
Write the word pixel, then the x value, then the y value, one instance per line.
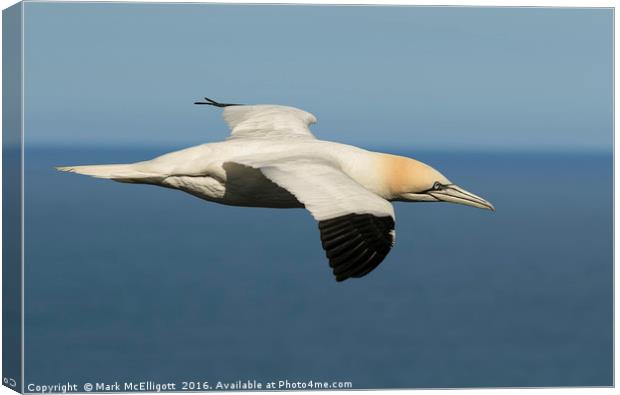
pixel 131 172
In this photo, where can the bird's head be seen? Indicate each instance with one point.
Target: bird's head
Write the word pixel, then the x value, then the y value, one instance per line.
pixel 411 180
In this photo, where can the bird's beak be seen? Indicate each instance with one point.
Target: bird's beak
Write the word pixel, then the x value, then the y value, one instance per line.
pixel 455 194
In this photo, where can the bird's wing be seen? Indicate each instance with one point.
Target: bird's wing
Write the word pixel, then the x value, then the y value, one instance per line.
pixel 268 121
pixel 357 226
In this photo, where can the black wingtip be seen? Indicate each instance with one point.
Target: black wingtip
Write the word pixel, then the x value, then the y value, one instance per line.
pixel 210 102
pixel 355 244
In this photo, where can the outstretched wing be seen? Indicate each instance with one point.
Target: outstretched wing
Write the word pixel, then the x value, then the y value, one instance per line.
pixel 268 121
pixel 357 226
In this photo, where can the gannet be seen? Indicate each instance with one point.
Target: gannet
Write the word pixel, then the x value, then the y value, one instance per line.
pixel 272 159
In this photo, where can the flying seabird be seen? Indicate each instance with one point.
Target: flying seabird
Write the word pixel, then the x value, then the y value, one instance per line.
pixel 272 159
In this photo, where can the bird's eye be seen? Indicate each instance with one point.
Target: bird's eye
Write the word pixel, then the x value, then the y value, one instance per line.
pixel 437 186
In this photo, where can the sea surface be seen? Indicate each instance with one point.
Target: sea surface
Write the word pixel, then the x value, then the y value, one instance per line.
pixel 134 282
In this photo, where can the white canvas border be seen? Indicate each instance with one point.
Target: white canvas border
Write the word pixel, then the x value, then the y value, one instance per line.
pixel 476 3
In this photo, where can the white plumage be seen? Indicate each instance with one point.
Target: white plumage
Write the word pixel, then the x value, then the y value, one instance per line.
pixel 271 159
pixel 268 121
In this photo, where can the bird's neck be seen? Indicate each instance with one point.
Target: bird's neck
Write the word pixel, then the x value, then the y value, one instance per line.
pixel 383 174
pixel 399 175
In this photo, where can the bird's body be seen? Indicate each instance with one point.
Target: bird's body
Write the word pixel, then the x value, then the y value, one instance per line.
pixel 272 160
pixel 214 171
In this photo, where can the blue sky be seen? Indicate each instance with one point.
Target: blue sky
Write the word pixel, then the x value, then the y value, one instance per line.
pixel 407 77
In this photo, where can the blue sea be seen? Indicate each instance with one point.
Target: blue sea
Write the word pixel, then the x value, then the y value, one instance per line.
pixel 135 282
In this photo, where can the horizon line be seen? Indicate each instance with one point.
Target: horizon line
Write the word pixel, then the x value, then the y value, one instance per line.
pixel 426 148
